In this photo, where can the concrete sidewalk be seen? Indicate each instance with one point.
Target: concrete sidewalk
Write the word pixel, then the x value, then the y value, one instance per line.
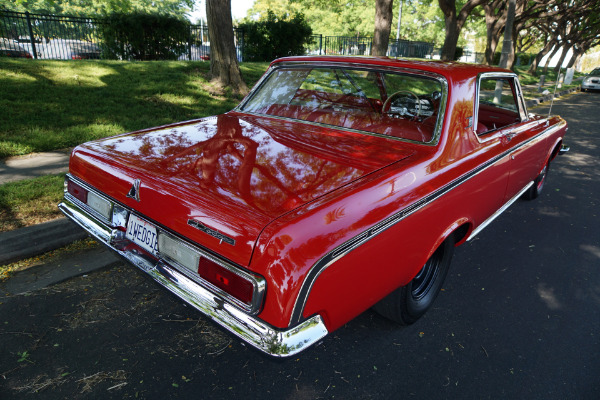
pixel 33 165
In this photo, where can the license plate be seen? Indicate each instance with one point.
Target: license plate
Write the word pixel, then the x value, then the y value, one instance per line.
pixel 142 233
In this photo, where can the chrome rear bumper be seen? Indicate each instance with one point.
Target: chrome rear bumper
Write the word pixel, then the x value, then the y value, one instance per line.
pixel 273 341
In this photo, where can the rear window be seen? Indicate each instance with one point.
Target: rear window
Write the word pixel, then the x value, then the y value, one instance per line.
pixel 404 106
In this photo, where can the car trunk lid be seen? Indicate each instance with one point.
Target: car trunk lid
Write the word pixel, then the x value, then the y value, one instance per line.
pixel 220 181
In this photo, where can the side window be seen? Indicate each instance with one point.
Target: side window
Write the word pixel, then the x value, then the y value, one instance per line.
pixel 498 106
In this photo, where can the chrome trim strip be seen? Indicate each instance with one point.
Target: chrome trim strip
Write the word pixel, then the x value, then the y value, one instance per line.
pixel 495 215
pixel 272 341
pixel 484 75
pixel 116 235
pixel 346 247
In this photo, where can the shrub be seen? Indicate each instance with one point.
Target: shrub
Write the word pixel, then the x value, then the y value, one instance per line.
pixel 273 37
pixel 141 36
pixel 525 58
pixel 458 53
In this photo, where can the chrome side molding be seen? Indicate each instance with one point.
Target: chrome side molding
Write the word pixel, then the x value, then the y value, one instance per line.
pixel 495 215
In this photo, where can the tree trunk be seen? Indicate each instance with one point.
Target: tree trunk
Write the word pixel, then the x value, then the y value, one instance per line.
pixel 383 27
pixel 493 23
pixel 507 46
pixel 454 23
pixel 561 60
pixel 534 65
pixel 550 57
pixel 452 32
pixel 224 68
pixel 575 60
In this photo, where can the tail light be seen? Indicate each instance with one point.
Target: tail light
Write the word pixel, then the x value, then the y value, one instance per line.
pixel 234 283
pixel 226 280
pixel 77 191
pixel 99 204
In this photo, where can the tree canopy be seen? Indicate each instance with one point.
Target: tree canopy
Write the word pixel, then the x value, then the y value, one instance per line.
pixel 99 7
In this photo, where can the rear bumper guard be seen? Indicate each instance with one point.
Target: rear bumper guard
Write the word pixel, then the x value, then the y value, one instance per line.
pixel 273 341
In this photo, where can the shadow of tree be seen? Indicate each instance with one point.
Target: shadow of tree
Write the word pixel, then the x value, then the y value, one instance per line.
pixel 49 105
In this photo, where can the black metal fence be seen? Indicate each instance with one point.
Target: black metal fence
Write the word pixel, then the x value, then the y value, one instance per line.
pixel 49 36
pixel 66 37
pixel 362 46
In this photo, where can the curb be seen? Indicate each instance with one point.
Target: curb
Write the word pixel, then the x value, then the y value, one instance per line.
pixel 63 269
pixel 34 240
pixel 548 97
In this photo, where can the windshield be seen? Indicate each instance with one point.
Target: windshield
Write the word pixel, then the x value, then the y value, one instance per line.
pixel 404 106
pixel 595 72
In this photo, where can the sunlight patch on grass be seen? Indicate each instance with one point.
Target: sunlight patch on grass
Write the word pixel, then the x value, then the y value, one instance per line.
pixel 53 104
pixel 15 76
pixel 177 99
pixel 30 201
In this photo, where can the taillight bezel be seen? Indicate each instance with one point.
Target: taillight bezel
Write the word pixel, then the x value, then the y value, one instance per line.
pixel 258 282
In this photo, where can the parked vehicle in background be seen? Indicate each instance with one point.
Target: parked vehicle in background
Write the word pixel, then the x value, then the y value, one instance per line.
pixel 338 184
pixel 10 48
pixel 591 81
pixel 85 51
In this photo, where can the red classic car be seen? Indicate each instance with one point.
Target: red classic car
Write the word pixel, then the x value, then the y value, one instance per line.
pixel 338 184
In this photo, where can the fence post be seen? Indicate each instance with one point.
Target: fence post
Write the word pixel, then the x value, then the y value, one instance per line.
pixel 320 43
pixel 190 42
pixel 242 49
pixel 32 39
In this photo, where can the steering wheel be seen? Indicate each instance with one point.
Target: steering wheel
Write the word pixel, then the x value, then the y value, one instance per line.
pixel 404 105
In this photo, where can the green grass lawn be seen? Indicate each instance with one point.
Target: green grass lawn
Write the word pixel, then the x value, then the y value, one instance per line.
pixel 30 201
pixel 527 79
pixel 48 105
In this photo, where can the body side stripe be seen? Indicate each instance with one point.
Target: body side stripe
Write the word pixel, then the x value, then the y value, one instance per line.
pixel 370 233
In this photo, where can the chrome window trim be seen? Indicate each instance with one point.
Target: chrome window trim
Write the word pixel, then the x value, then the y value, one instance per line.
pixel 343 249
pixel 360 67
pixel 500 75
pixel 117 236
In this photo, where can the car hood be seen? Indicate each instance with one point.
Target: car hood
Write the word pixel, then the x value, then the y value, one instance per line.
pixel 220 181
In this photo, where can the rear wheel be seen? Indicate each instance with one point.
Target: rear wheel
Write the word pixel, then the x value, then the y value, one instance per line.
pixel 407 304
pixel 538 185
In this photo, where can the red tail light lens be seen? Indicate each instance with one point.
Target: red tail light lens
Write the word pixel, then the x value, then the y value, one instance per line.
pixel 77 191
pixel 228 281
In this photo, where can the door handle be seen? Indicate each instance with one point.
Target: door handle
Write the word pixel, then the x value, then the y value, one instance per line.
pixel 510 135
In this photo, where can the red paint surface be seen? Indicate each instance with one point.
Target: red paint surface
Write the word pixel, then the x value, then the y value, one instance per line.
pixel 290 192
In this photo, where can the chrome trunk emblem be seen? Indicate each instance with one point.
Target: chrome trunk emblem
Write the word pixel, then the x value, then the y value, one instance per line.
pixel 209 231
pixel 134 192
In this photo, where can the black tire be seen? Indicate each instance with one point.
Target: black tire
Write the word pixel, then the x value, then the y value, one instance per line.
pixel 407 304
pixel 538 184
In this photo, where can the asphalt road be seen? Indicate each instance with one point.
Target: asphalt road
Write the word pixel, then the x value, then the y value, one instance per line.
pixel 519 318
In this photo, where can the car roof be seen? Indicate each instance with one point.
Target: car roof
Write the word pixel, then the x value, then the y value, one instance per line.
pixel 449 69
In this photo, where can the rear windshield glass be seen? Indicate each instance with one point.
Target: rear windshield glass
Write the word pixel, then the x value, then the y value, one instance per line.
pixel 405 106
